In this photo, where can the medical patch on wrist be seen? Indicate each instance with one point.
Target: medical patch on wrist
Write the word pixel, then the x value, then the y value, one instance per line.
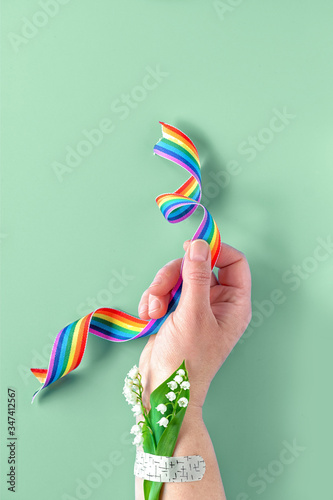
pixel 169 469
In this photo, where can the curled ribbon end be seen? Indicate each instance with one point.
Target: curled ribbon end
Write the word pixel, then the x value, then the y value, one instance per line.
pixel 39 374
pixel 33 397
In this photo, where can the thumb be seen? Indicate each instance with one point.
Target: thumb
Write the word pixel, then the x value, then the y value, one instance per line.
pixel 195 295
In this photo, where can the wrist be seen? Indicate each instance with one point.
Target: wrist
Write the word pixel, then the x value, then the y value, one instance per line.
pixel 193 420
pixel 192 426
pixel 198 390
pixel 193 411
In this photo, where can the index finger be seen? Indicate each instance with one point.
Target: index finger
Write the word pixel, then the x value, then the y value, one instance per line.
pixel 233 267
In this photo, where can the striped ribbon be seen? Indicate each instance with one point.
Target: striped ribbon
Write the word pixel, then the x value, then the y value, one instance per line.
pixel 115 325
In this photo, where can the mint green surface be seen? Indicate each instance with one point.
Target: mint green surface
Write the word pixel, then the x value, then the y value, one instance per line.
pixel 226 70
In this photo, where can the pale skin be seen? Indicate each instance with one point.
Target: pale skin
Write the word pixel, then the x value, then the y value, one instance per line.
pixel 211 316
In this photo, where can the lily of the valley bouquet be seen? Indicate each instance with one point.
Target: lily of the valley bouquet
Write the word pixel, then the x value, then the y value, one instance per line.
pixel 158 430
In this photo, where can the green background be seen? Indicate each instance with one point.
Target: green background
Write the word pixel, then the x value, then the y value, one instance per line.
pixel 227 70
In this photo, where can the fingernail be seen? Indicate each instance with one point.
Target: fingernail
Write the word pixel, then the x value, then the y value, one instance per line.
pixel 154 304
pixel 143 308
pixel 199 251
pixel 157 281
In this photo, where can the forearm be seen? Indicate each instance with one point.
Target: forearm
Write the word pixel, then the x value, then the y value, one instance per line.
pixel 193 439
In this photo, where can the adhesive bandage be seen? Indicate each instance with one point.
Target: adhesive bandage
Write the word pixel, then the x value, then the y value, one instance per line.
pixel 169 469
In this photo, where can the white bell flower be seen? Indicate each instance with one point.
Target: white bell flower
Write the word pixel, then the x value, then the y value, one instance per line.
pixel 130 397
pixel 173 385
pixel 183 402
pixel 136 429
pixel 136 410
pixel 161 408
pixel 133 373
pixel 171 396
pixel 163 422
pixel 178 379
pixel 138 440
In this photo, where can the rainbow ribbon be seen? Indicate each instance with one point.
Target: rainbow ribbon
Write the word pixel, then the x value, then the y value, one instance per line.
pixel 111 324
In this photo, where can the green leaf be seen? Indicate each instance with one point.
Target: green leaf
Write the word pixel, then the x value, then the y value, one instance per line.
pixel 164 441
pixel 149 447
pixel 167 443
pixel 148 440
pixel 165 448
pixel 154 492
pixel 147 485
pixel 157 397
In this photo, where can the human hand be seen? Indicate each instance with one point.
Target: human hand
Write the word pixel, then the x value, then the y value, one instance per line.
pixel 211 316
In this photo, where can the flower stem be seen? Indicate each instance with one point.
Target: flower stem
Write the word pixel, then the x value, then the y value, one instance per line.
pixel 144 410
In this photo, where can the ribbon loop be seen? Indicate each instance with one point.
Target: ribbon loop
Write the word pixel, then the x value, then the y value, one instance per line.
pixel 115 325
